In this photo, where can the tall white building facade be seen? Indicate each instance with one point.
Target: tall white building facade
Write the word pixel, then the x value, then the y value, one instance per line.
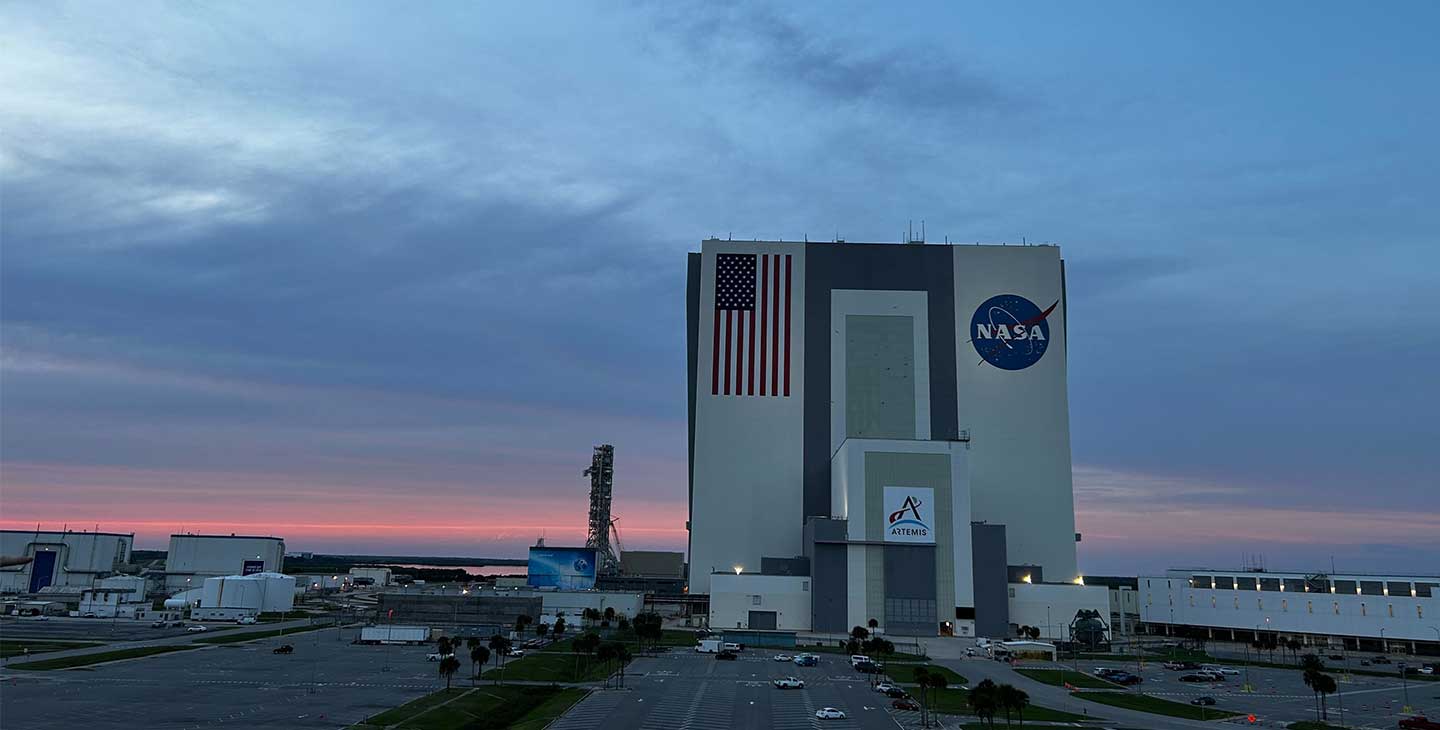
pixel 942 367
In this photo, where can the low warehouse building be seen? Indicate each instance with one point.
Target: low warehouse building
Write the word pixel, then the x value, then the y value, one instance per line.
pixel 237 596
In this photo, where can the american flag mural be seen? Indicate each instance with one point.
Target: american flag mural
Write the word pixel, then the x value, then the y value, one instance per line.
pixel 751 348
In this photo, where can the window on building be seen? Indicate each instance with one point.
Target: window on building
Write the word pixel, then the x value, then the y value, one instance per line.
pixel 1317 585
pixel 1372 588
pixel 1212 601
pixel 1392 610
pixel 1270 584
pixel 1362 609
pixel 1396 588
pixel 1260 604
pixel 1202 581
pixel 1419 612
pixel 1284 605
pixel 1224 583
pixel 1346 587
pixel 1192 600
pixel 1245 583
pixel 1237 603
pixel 1309 607
pixel 1337 608
pixel 754 600
pixel 1424 590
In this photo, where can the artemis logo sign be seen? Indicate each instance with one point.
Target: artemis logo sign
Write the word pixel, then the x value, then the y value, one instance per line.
pixel 1010 332
pixel 909 514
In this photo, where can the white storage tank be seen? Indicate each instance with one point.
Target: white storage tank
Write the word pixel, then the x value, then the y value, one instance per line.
pixel 260 592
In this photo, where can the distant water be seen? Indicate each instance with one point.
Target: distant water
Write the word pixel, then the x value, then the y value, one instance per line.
pixel 476 570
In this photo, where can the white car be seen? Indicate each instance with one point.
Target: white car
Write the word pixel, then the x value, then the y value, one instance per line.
pixel 1427 671
pixel 245 620
pixel 197 629
pixel 784 658
pixel 859 659
pixel 437 657
pixel 1219 669
pixel 789 683
pixel 886 687
pixel 829 713
pixel 515 653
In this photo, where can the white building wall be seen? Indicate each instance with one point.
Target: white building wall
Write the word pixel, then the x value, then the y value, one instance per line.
pixel 1051 607
pixel 80 557
pixel 381 576
pixel 260 592
pixel 1019 421
pixel 196 557
pixel 574 603
pixel 1171 600
pixel 749 451
pixel 733 597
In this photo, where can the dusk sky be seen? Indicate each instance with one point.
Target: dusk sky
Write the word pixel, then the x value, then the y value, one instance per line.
pixel 375 278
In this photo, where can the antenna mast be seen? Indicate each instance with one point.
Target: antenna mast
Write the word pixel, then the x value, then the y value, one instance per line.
pixel 602 487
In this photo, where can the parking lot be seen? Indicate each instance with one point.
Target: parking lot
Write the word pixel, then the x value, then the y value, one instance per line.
pixel 90 629
pixel 689 691
pixel 326 683
pixel 1281 694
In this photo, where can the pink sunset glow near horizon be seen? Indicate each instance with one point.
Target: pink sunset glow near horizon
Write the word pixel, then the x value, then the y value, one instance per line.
pixel 1130 522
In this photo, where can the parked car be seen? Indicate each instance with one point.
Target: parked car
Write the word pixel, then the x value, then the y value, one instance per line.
pixel 1200 677
pixel 906 704
pixel 1418 722
pixel 731 646
pixel 1427 670
pixel 726 655
pixel 1381 660
pixel 286 649
pixel 896 692
pixel 159 624
pixel 784 658
pixel 197 629
pixel 1336 657
pixel 829 713
pixel 1203 701
pixel 437 656
pixel 869 667
pixel 859 658
pixel 886 686
pixel 245 620
pixel 515 653
pixel 177 624
pixel 1220 669
pixel 970 651
pixel 806 660
pixel 788 683
pixel 89 614
pixel 1124 678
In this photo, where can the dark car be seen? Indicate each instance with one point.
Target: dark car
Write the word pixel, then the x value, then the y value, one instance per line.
pixel 1203 701
pixel 1125 678
pixel 906 704
pixel 897 692
pixel 1198 678
pixel 286 649
pixel 1381 660
pixel 1336 657
pixel 867 667
pixel 726 655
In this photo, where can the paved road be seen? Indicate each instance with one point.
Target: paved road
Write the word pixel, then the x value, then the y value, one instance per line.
pixel 688 691
pixel 133 636
pixel 327 683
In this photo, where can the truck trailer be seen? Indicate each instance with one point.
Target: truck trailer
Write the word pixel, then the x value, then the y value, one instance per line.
pixel 394 635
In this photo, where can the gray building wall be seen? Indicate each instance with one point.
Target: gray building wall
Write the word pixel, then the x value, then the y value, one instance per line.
pixel 992 580
pixel 692 356
pixel 873 266
pixel 825 546
pixel 910 606
pixel 879 376
pixel 784 566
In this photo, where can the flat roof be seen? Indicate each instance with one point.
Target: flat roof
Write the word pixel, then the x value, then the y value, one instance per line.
pixel 228 537
pixel 843 242
pixel 1172 572
pixel 66 532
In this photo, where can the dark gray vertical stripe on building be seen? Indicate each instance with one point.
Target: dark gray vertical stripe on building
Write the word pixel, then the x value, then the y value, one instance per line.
pixel 828 266
pixel 692 356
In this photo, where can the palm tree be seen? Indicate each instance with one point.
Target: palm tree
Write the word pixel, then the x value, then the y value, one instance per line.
pixel 1325 685
pixel 873 624
pixel 1313 669
pixel 1010 697
pixel 448 666
pixel 922 678
pixel 937 682
pixel 541 630
pixel 500 646
pixel 559 628
pixel 984 701
pixel 472 642
pixel 443 646
pixel 609 613
pixel 859 633
pixel 478 656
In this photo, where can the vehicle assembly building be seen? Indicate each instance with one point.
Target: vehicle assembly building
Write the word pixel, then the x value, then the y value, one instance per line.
pixel 63 559
pixel 886 425
pixel 193 558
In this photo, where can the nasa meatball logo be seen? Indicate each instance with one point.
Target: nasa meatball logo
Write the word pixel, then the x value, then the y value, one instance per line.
pixel 1010 332
pixel 582 566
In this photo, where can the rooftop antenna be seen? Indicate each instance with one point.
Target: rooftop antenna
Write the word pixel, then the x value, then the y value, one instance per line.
pixel 922 230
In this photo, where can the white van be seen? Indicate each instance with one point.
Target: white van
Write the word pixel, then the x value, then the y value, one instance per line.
pixel 709 646
pixel 730 646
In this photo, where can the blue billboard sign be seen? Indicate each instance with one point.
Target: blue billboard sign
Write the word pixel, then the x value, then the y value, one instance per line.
pixel 571 568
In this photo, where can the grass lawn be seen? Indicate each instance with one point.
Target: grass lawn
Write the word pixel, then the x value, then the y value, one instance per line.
pixel 905 673
pixel 104 656
pixel 481 708
pixel 1146 703
pixel 251 636
pixel 552 666
pixel 1059 678
pixel 17 647
pixel 1312 725
pixel 900 655
pixel 953 702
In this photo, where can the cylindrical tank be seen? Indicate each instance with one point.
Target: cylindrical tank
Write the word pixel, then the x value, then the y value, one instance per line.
pixel 172 604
